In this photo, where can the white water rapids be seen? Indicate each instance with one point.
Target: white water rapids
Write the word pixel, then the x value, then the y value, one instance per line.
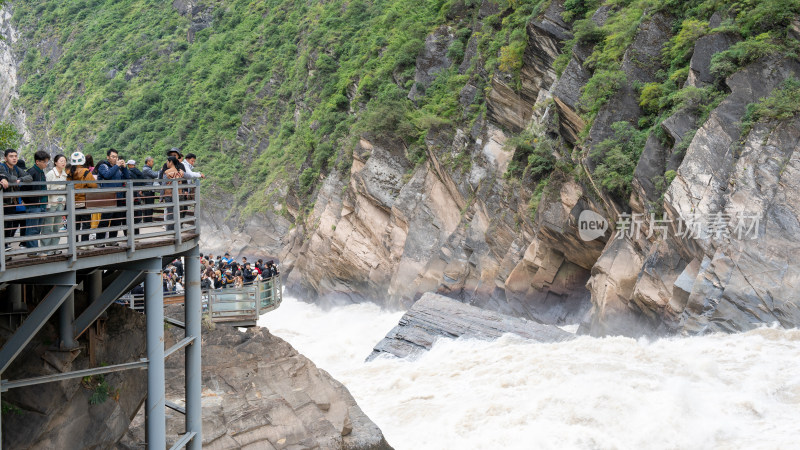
pixel 717 391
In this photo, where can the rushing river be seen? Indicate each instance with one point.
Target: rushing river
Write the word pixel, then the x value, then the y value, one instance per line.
pixel 718 391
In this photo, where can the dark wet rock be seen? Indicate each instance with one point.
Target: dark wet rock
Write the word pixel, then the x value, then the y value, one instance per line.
pixel 435 316
pixel 432 60
pixel 706 47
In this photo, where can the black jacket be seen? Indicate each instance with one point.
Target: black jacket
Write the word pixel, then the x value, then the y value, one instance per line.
pixel 36 174
pixel 12 175
pixel 136 174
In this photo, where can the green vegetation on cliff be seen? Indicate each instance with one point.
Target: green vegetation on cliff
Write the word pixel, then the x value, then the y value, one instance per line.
pixel 274 93
pixel 260 90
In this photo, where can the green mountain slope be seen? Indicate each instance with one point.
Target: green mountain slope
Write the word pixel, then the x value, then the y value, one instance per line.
pixel 274 94
pixel 265 91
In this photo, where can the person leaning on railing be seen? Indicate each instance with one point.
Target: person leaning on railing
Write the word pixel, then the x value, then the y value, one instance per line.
pixel 173 171
pixel 149 196
pixel 112 169
pixel 36 203
pixel 78 172
pixel 12 206
pixel 55 202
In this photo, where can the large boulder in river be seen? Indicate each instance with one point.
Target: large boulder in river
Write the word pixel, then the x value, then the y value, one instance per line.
pixel 434 316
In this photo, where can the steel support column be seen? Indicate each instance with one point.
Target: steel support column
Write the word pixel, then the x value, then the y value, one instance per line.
pixel 155 406
pixel 66 324
pixel 15 292
pixel 94 286
pixel 194 377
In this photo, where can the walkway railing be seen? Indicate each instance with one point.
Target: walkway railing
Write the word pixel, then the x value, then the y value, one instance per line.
pixel 236 306
pixel 243 306
pixel 141 211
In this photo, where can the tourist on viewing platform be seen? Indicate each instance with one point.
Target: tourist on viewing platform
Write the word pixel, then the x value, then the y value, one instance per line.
pixel 55 202
pixel 77 172
pixel 174 152
pixel 172 172
pixel 228 279
pixel 247 274
pixel 149 197
pixel 227 258
pixel 257 276
pixel 14 175
pixel 178 267
pixel 90 165
pixel 260 266
pixel 188 164
pixel 136 174
pixel 272 269
pixel 112 168
pixel 205 283
pixel 36 203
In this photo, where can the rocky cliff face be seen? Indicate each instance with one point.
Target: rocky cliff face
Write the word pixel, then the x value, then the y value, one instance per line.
pixel 258 392
pixel 468 223
pixel 67 414
pixel 8 75
pixel 388 231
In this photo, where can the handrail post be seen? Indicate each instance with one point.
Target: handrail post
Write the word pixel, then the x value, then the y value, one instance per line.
pixel 3 234
pixel 176 211
pixel 72 235
pixel 196 197
pixel 130 215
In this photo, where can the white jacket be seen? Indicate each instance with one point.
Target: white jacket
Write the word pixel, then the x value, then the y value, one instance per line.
pixel 54 200
pixel 189 173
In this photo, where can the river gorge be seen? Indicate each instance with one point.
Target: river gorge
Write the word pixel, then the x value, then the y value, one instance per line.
pixel 713 391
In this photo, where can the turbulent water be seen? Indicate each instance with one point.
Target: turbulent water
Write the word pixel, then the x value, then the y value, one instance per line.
pixel 718 391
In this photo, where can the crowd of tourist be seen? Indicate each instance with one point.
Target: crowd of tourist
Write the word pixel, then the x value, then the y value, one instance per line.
pixel 217 273
pixel 15 176
pixel 225 271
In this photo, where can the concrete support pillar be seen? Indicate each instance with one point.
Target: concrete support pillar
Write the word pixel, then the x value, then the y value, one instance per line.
pixel 66 322
pixel 194 376
pixel 156 426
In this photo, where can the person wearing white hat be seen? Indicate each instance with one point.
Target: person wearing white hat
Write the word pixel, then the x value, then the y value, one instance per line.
pixel 77 172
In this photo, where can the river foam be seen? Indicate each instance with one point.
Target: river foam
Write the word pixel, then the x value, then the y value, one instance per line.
pixel 717 391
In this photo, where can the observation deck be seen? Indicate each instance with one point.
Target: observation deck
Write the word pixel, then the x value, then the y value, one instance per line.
pixel 151 225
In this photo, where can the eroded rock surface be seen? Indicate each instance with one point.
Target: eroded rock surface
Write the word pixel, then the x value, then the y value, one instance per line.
pixel 434 316
pixel 60 415
pixel 259 392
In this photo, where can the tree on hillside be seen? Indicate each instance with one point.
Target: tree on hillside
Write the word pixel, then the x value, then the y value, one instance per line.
pixel 9 136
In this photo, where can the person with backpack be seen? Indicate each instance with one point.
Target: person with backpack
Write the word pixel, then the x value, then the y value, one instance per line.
pixel 77 172
pixel 12 206
pixel 112 168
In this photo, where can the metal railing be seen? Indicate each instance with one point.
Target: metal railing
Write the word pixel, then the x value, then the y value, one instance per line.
pixel 236 305
pixel 245 304
pixel 141 211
